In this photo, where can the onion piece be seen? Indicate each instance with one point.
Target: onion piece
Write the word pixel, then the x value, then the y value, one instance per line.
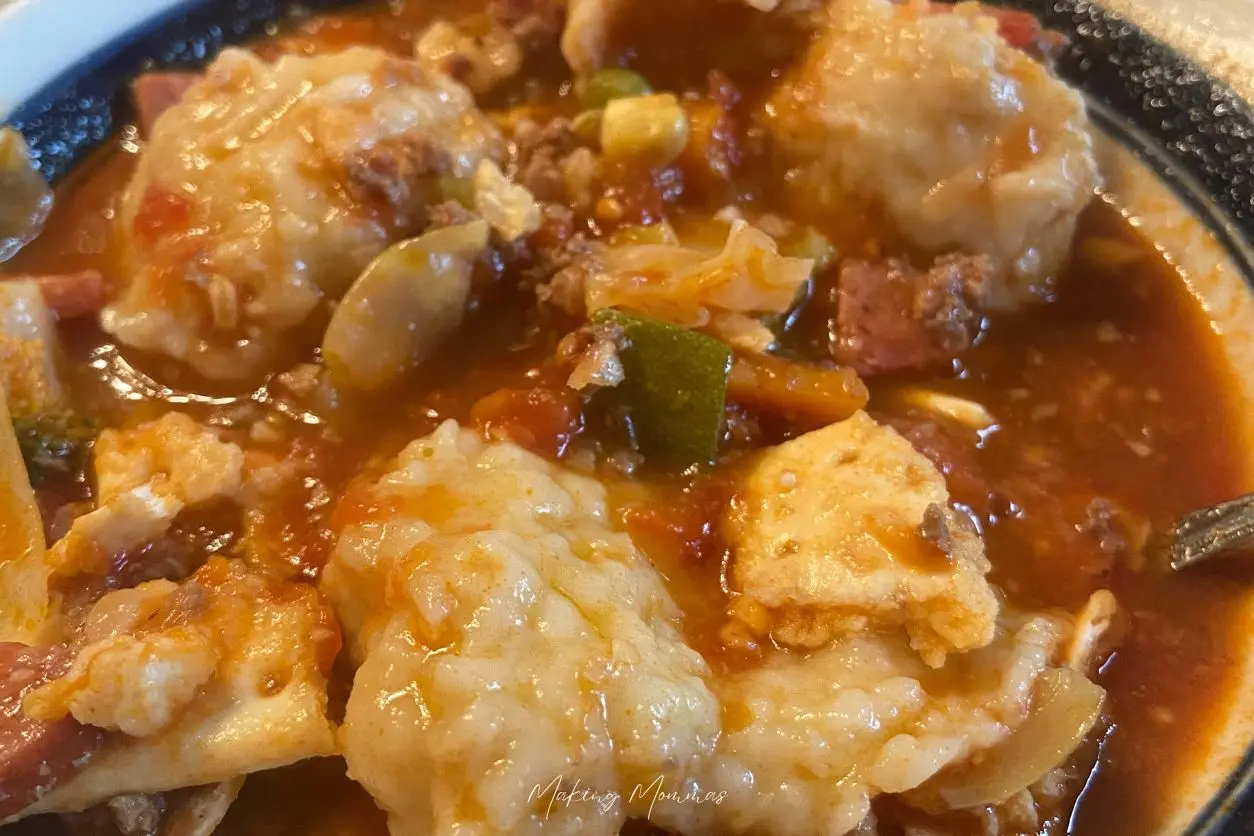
pixel 24 568
pixel 969 413
pixel 402 306
pixel 1066 708
pixel 25 198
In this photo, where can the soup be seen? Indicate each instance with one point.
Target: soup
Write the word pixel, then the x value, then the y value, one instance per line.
pixel 754 434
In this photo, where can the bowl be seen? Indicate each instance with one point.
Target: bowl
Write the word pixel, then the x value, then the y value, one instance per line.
pixel 1176 150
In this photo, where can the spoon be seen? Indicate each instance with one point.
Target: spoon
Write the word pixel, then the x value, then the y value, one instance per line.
pixel 1210 532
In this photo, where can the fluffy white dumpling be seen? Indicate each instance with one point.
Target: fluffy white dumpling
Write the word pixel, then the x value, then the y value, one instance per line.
pixel 965 142
pixel 829 535
pixel 270 186
pixel 510 638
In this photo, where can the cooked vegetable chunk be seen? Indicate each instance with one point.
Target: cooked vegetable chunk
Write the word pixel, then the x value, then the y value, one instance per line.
pixel 54 445
pixel 269 187
pixel 812 395
pixel 1065 709
pixel 604 86
pixel 406 302
pixel 25 199
pixel 29 351
pixel 649 129
pixel 509 208
pixel 673 388
pixel 964 141
pixel 23 559
pixel 697 287
pixel 896 724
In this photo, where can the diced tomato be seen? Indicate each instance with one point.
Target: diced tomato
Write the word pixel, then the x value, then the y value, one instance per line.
pixel 632 197
pixel 161 213
pixel 73 294
pixel 542 420
pixel 1020 29
pixel 688 523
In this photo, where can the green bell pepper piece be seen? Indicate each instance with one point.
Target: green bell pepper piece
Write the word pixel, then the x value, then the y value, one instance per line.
pixel 674 388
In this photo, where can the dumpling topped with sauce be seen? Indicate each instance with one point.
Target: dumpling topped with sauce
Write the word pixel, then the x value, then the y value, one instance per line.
pixel 846 529
pixel 508 635
pixel 965 142
pixel 269 187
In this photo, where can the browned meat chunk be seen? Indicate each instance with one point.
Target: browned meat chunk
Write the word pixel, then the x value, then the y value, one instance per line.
pixel 69 295
pixel 35 755
pixel 482 51
pixel 395 174
pixel 542 150
pixel 534 23
pixel 891 317
pixel 155 93
pixel 953 451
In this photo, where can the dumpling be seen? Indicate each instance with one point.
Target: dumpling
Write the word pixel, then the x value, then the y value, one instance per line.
pixel 146 476
pixel 513 647
pixel 965 142
pixel 194 683
pixel 508 637
pixel 269 187
pixel 817 737
pixel 848 528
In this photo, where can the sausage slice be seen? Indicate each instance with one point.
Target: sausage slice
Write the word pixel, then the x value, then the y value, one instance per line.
pixel 36 755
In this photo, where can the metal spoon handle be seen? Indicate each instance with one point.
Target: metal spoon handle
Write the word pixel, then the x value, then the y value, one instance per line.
pixel 1210 532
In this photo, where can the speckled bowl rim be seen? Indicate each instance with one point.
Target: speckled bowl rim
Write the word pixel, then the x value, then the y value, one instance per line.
pixel 1183 158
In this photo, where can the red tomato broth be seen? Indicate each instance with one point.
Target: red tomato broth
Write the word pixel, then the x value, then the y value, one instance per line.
pixel 1115 389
